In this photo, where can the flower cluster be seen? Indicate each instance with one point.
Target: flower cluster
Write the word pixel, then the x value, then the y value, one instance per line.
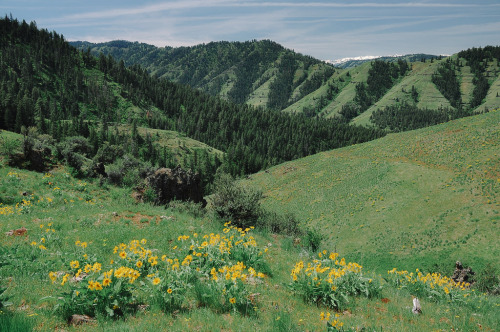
pixel 331 325
pixel 47 234
pixel 431 285
pixel 210 263
pixel 330 280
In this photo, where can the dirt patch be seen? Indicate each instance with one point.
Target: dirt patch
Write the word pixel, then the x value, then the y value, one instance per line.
pixel 137 218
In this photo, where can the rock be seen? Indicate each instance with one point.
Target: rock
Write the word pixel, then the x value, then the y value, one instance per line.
pixel 80 319
pixel 417 309
pixel 169 184
pixel 462 274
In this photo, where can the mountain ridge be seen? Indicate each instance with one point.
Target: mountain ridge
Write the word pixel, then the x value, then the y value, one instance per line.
pixel 265 74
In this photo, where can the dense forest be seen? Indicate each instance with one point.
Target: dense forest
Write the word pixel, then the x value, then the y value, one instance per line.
pixel 66 93
pixel 447 82
pixel 408 117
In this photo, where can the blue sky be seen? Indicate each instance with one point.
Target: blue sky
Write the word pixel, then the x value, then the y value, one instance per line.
pixel 320 28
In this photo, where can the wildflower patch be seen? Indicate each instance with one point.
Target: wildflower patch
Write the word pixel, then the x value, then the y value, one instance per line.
pixel 433 286
pixel 331 281
pixel 214 269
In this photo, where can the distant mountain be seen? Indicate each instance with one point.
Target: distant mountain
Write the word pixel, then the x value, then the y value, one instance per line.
pixel 260 73
pixel 265 74
pixel 346 63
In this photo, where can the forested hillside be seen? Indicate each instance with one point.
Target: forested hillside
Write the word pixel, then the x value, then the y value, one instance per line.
pixel 47 83
pixel 262 73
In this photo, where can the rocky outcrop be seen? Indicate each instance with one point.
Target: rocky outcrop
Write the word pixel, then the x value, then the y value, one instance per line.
pixel 179 184
pixel 462 274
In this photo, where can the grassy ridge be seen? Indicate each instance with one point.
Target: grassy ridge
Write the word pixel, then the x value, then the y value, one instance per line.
pixel 423 198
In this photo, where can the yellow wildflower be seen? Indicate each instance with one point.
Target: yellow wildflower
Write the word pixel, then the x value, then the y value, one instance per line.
pixel 106 282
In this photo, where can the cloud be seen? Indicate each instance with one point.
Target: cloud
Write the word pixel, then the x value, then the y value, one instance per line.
pixel 324 29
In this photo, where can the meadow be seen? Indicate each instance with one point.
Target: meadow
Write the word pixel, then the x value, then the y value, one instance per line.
pixel 393 214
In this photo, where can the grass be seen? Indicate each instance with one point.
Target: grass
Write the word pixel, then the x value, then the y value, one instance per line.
pixel 424 197
pixel 420 182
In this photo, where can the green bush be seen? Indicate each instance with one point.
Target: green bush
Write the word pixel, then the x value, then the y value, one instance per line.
pixel 279 223
pixel 331 281
pixel 487 280
pixel 128 171
pixel 232 201
pixel 313 239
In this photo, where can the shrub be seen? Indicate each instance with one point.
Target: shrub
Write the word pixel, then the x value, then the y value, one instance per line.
pixel 487 280
pixel 9 147
pixel 128 171
pixel 313 239
pixel 279 223
pixel 232 201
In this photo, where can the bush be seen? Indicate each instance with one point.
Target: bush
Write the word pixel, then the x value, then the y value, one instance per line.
pixel 313 239
pixel 128 171
pixel 279 223
pixel 9 147
pixel 232 201
pixel 487 280
pixel 331 281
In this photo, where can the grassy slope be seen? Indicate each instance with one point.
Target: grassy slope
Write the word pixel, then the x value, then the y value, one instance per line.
pixel 418 198
pixel 492 99
pixel 420 77
pixel 347 94
pixel 174 141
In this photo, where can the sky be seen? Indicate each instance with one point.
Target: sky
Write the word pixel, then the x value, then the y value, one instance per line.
pixel 327 30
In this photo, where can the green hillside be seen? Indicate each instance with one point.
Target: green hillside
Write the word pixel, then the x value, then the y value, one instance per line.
pixel 422 198
pixel 264 74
